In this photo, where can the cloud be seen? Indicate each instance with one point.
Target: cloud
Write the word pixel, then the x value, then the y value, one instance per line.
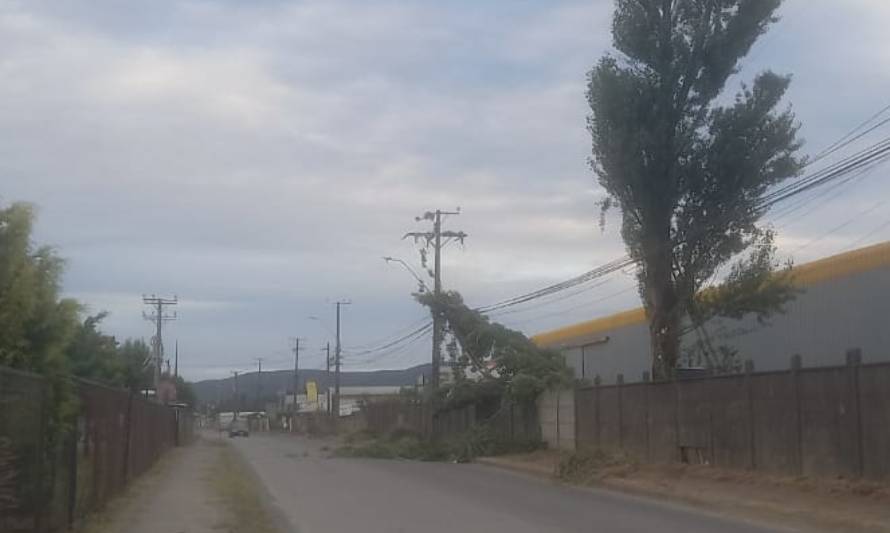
pixel 258 158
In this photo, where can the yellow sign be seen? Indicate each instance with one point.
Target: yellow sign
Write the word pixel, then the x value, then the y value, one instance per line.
pixel 311 391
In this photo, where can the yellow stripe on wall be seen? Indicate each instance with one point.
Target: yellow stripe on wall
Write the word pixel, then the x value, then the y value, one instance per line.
pixel 806 275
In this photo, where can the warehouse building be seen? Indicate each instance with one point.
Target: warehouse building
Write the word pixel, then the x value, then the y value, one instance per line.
pixel 844 303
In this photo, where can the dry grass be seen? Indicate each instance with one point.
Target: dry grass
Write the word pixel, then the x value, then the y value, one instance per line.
pixel 241 496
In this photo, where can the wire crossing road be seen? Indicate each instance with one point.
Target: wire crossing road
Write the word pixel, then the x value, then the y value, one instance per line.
pixel 332 495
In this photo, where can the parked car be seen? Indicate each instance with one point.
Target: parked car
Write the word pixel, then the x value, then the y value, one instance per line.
pixel 238 428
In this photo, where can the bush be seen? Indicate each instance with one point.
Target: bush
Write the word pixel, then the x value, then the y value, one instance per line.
pixel 587 466
pixel 404 444
pixel 399 444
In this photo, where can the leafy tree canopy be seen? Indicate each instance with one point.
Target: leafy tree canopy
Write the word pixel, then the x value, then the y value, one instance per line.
pixel 94 355
pixel 505 361
pixel 687 170
pixel 36 325
pixel 185 393
pixel 135 358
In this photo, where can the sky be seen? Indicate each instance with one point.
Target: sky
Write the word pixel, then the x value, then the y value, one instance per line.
pixel 257 159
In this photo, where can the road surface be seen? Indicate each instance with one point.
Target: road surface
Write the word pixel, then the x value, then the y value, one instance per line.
pixel 318 494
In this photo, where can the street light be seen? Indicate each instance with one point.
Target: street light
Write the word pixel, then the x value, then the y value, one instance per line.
pixel 421 285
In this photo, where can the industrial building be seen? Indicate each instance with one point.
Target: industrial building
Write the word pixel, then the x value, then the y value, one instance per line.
pixel 844 303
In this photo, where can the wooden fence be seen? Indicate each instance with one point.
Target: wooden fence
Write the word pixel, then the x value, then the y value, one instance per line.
pixel 832 421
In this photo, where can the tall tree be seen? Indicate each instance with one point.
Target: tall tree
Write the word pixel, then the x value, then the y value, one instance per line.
pixel 36 325
pixel 686 171
pixel 93 354
pixel 135 357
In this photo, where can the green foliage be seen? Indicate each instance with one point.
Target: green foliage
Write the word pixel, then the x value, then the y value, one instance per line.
pixel 506 360
pixel 36 325
pixel 756 285
pixel 92 354
pixel 477 441
pixel 135 358
pixel 396 445
pixel 687 172
pixel 482 441
pixel 185 392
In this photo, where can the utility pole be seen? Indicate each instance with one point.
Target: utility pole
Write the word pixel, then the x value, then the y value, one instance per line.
pixel 296 370
pixel 436 239
pixel 259 376
pixel 176 360
pixel 237 405
pixel 158 316
pixel 335 408
pixel 327 377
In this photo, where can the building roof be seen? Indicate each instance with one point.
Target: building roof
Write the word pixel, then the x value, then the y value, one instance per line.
pixel 370 390
pixel 809 274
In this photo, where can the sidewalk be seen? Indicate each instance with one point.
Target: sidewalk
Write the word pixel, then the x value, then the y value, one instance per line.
pixel 175 496
pixel 804 504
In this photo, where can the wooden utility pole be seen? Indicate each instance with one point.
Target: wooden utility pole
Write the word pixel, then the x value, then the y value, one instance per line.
pixel 435 240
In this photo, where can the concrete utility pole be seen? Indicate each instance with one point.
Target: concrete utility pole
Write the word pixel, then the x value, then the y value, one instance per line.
pixel 176 360
pixel 435 240
pixel 259 376
pixel 237 405
pixel 335 409
pixel 158 316
pixel 327 377
pixel 296 370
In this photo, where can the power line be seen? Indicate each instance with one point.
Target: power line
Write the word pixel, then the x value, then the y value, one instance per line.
pixel 423 329
pixel 374 344
pixel 857 163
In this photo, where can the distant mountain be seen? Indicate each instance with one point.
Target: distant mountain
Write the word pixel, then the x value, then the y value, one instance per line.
pixel 271 383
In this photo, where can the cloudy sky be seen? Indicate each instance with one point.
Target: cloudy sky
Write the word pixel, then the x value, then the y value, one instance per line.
pixel 258 158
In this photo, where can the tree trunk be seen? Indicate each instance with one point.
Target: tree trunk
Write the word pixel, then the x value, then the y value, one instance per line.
pixel 662 308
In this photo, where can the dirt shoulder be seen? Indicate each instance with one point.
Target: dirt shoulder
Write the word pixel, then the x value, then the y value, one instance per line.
pixel 202 488
pixel 799 503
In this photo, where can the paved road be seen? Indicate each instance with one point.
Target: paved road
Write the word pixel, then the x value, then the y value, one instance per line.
pixel 326 495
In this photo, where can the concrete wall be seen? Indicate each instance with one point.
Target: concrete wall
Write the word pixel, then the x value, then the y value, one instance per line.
pixel 556 413
pixel 823 422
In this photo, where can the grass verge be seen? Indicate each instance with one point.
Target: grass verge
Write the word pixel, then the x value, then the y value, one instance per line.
pixel 477 441
pixel 241 495
pixel 590 466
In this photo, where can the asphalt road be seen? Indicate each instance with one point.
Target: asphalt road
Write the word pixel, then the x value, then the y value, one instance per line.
pixel 318 494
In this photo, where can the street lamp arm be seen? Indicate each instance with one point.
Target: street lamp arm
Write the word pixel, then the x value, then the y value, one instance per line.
pixel 409 269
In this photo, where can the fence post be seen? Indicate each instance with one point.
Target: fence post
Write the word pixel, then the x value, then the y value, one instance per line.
pixel 749 387
pixel 646 380
pixel 796 363
pixel 677 440
pixel 558 447
pixel 576 425
pixel 71 457
pixel 596 409
pixel 44 488
pixel 620 381
pixel 854 361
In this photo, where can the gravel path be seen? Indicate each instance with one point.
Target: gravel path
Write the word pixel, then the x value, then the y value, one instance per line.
pixel 174 497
